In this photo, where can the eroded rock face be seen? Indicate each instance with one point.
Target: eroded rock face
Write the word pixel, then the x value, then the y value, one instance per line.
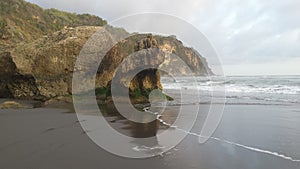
pixel 14 84
pixel 50 60
pixel 132 65
pixel 44 68
pixel 145 80
pixel 7 70
pixel 7 65
pixel 176 54
pixel 139 70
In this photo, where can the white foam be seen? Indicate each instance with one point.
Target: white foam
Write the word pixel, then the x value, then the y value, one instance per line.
pixel 158 117
pixel 235 88
pixel 146 148
pixel 283 156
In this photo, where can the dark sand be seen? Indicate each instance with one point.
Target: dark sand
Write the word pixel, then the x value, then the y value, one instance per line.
pixel 249 137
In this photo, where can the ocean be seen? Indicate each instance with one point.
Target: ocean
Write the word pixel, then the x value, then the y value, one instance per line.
pixel 241 89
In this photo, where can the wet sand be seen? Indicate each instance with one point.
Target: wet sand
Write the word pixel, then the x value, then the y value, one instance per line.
pixel 249 136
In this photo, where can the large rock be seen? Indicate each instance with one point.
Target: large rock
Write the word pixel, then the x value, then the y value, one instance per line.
pixel 7 65
pixel 14 84
pixel 130 70
pixel 181 60
pixel 51 59
pixel 44 68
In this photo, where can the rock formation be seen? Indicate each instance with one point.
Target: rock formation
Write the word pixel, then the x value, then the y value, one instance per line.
pixel 47 64
pixel 43 68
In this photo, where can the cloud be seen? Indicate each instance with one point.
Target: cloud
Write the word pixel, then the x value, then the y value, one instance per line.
pixel 287 67
pixel 114 9
pixel 254 31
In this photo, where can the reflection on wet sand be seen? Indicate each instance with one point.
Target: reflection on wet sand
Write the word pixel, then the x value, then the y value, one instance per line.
pixel 136 130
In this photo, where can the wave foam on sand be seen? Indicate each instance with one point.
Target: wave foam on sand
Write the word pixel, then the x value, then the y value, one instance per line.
pixel 259 150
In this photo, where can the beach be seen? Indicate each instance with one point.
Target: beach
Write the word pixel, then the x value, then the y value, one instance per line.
pixel 159 85
pixel 53 138
pixel 253 133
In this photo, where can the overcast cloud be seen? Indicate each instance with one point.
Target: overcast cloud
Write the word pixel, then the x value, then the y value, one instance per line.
pixel 246 33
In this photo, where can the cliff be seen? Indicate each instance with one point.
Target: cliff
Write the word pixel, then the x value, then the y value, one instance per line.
pixel 149 51
pixel 23 22
pixel 43 68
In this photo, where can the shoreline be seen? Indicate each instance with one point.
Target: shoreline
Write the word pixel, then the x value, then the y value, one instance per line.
pixel 53 138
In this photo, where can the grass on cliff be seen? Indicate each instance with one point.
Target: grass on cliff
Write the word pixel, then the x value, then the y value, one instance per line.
pixel 24 21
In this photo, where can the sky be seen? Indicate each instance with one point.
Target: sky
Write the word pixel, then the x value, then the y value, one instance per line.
pixel 251 37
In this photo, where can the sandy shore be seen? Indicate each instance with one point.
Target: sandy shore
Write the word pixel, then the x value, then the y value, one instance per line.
pixel 47 138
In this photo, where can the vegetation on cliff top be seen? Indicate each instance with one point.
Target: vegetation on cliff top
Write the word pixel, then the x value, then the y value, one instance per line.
pixel 22 21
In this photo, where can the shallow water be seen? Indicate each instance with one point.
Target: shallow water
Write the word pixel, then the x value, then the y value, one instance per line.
pixel 242 89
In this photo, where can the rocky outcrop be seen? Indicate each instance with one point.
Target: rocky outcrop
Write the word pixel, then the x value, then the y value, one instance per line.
pixel 176 54
pixel 14 84
pixel 47 64
pixel 130 70
pixel 44 68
